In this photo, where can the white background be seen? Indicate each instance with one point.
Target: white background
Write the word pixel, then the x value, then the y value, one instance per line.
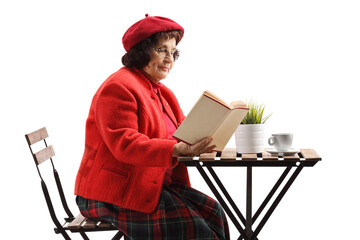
pixel 299 58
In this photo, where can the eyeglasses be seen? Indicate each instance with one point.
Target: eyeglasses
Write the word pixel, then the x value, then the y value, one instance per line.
pixel 163 52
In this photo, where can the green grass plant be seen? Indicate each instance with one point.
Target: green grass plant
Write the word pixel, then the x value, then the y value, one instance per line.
pixel 255 114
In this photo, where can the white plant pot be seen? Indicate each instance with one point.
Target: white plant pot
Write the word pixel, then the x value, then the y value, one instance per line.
pixel 249 138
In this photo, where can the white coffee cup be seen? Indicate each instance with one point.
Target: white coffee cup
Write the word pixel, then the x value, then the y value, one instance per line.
pixel 281 141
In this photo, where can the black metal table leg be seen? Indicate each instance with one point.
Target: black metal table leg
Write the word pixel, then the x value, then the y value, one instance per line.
pixel 276 201
pixel 249 221
pixel 249 218
pixel 221 201
pixel 226 194
pixel 249 200
pixel 228 197
pixel 271 193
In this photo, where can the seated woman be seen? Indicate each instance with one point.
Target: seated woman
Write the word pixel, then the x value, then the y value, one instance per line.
pixel 129 174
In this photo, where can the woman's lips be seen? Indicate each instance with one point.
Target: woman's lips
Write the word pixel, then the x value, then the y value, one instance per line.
pixel 164 68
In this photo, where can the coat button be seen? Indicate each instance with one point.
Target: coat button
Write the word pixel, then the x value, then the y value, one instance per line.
pixel 155 182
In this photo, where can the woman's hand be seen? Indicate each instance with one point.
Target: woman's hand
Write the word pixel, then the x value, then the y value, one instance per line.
pixel 202 146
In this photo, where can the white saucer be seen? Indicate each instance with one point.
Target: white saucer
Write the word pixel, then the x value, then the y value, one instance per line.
pixel 289 152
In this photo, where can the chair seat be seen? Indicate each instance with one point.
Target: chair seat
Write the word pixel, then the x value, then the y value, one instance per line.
pixel 82 224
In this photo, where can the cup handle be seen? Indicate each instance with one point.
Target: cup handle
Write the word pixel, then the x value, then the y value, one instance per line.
pixel 271 141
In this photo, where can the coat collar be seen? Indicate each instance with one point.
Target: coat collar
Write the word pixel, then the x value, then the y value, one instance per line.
pixel 155 88
pixel 149 83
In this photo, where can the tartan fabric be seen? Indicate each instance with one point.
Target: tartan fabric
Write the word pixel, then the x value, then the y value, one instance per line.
pixel 183 213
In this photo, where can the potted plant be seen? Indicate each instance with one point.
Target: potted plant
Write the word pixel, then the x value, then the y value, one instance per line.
pixel 249 136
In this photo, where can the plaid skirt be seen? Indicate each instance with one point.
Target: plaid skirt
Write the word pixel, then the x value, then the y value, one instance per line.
pixel 183 213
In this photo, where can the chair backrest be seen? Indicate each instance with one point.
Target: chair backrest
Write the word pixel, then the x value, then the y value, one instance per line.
pixel 44 154
pixel 41 156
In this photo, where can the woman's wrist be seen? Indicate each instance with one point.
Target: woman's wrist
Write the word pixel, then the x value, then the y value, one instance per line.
pixel 202 146
pixel 176 151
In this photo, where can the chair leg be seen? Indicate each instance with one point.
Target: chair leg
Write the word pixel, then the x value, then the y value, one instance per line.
pixel 118 236
pixel 64 234
pixel 84 236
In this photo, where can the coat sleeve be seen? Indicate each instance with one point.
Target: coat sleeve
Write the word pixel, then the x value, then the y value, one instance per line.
pixel 116 116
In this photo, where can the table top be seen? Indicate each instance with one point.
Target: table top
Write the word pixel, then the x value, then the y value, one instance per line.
pixel 229 157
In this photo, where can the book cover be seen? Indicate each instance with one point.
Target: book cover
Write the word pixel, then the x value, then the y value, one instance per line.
pixel 211 117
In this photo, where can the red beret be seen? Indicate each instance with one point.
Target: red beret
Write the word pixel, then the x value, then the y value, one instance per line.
pixel 147 27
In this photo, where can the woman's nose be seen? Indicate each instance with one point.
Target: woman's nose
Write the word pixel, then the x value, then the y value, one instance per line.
pixel 169 58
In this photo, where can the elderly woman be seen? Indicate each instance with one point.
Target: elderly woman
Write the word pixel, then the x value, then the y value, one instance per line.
pixel 129 174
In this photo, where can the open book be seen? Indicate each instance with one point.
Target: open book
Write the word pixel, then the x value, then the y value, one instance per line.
pixel 211 117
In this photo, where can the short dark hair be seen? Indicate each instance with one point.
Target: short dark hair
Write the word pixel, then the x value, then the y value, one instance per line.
pixel 140 55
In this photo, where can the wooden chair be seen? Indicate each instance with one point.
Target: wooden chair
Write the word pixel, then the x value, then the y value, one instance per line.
pixel 77 224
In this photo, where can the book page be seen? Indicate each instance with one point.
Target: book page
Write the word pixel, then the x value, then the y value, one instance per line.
pixel 213 96
pixel 238 104
pixel 226 129
pixel 201 121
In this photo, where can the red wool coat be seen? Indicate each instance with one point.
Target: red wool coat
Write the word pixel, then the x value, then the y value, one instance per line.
pixel 126 147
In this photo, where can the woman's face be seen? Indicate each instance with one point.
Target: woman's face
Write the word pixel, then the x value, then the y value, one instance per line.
pixel 159 67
